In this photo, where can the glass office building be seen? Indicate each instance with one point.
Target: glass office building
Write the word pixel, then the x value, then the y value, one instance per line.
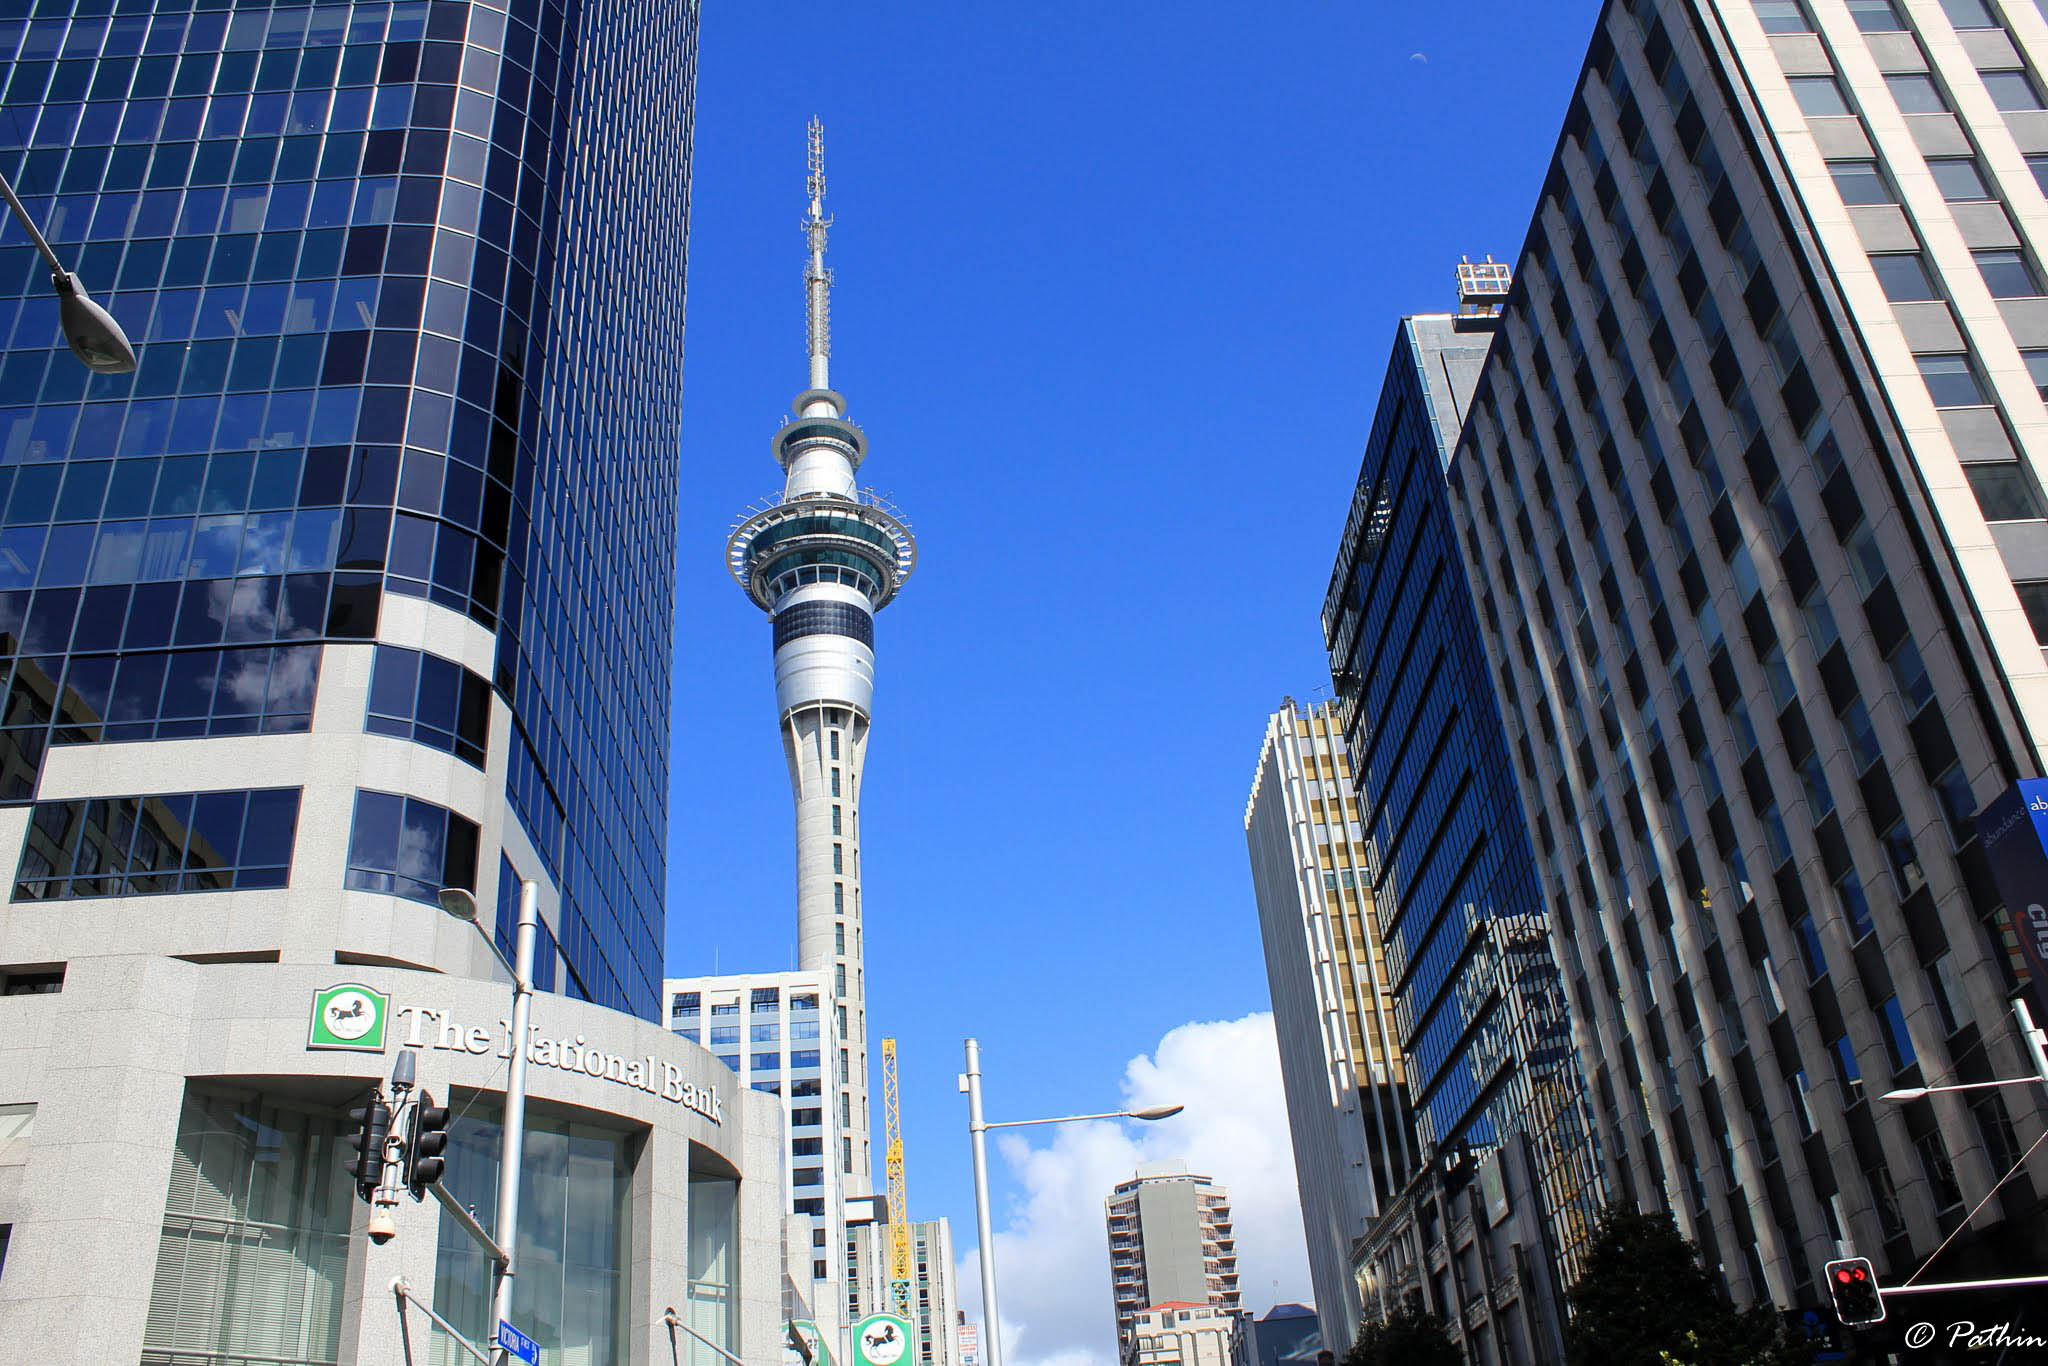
pixel 1497 1097
pixel 393 414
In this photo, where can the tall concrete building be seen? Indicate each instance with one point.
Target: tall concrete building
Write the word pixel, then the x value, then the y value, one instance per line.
pixel 1750 494
pixel 822 560
pixel 1509 1178
pixel 1170 1238
pixel 934 1306
pixel 1186 1333
pixel 1333 1005
pixel 357 589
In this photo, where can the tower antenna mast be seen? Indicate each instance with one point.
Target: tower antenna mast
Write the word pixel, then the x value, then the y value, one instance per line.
pixel 817 279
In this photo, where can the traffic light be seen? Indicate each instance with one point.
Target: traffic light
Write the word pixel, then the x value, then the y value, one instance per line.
pixel 1853 1283
pixel 372 1133
pixel 426 1139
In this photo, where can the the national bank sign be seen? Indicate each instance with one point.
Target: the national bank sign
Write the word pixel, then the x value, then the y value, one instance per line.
pixel 352 1016
pixel 2015 829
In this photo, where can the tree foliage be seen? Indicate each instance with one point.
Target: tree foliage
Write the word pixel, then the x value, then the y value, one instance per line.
pixel 1645 1300
pixel 1410 1336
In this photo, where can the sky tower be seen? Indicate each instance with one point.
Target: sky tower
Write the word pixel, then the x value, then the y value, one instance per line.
pixel 821 561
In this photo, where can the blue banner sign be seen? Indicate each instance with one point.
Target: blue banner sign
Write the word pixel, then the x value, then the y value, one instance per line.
pixel 518 1344
pixel 2015 831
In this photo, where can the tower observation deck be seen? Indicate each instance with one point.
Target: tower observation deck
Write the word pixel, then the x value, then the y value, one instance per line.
pixel 821 560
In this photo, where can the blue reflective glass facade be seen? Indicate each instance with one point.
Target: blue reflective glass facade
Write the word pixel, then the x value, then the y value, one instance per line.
pixel 1479 999
pixel 406 285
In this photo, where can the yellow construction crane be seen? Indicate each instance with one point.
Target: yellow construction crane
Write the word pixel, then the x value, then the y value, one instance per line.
pixel 899 1203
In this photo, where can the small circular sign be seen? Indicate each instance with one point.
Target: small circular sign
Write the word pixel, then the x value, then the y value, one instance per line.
pixel 350 1015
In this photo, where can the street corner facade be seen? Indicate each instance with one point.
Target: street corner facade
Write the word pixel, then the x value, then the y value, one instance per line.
pixel 174 1184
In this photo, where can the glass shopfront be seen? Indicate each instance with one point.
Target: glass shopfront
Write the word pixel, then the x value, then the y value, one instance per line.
pixel 574 1222
pixel 255 1242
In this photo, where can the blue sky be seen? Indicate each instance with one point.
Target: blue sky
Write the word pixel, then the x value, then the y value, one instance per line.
pixel 1116 287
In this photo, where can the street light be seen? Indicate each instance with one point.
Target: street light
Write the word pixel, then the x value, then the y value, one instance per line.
pixel 2037 1045
pixel 977 1128
pixel 95 337
pixel 462 905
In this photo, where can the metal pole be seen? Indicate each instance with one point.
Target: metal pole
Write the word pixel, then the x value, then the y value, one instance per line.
pixel 35 235
pixel 992 1323
pixel 513 1150
pixel 2035 1039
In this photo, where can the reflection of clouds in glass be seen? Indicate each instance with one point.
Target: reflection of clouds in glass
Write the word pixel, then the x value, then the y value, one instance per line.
pixel 419 843
pixel 246 608
pixel 293 672
pixel 248 680
pixel 263 538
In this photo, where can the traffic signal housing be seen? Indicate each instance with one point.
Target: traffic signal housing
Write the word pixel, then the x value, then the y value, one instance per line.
pixel 373 1131
pixel 1853 1283
pixel 426 1139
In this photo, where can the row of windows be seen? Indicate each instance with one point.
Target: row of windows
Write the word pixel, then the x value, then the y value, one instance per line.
pixel 409 847
pixel 175 842
pixel 204 612
pixel 545 949
pixel 431 701
pixel 167 695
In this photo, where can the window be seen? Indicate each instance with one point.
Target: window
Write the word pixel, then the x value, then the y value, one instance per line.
pixel 803 1029
pixel 2010 90
pixel 1958 179
pixel 836 828
pixel 1782 16
pixel 410 848
pixel 2038 164
pixel 1819 96
pixel 1860 182
pixel 17 1126
pixel 766 1000
pixel 2037 371
pixel 1916 93
pixel 430 701
pixel 1968 14
pixel 252 1171
pixel 806 1118
pixel 687 1004
pixel 1855 905
pixel 731 1061
pixel 175 842
pixel 691 1033
pixel 1810 951
pixel 2034 598
pixel 1904 277
pixel 1951 383
pixel 835 744
pixel 2008 273
pixel 1958 803
pixel 835 782
pixel 838 858
pixel 1905 860
pixel 2005 491
pixel 1862 735
pixel 1876 16
pixel 764 1033
pixel 32 981
pixel 1909 674
pixel 726 1008
pixel 803 1057
pixel 1949 997
pixel 839 937
pixel 724 1034
pixel 768 1062
pixel 1846 1070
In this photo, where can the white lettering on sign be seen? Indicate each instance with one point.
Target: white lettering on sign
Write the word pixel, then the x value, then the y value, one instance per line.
pixel 438 1029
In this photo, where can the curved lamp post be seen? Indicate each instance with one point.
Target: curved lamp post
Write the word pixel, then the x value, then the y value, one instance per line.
pixel 977 1128
pixel 462 905
pixel 95 337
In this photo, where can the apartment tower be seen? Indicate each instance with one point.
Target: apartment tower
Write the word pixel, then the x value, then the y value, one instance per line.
pixel 1170 1239
pixel 1750 496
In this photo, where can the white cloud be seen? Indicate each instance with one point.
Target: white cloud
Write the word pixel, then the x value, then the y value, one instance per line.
pixel 1052 1251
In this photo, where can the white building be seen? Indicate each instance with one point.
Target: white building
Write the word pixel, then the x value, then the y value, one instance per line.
pixel 1333 1011
pixel 774 1030
pixel 1178 1333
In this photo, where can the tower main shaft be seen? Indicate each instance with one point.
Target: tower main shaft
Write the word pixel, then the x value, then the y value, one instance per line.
pixel 821 561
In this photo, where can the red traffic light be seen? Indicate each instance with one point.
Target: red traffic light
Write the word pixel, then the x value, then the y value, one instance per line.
pixel 1853 1284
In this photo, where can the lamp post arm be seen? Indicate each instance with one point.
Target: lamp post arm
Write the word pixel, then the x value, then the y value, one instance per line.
pixel 35 234
pixel 1063 1119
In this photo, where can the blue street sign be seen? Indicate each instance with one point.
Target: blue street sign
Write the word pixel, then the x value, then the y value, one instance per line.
pixel 518 1344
